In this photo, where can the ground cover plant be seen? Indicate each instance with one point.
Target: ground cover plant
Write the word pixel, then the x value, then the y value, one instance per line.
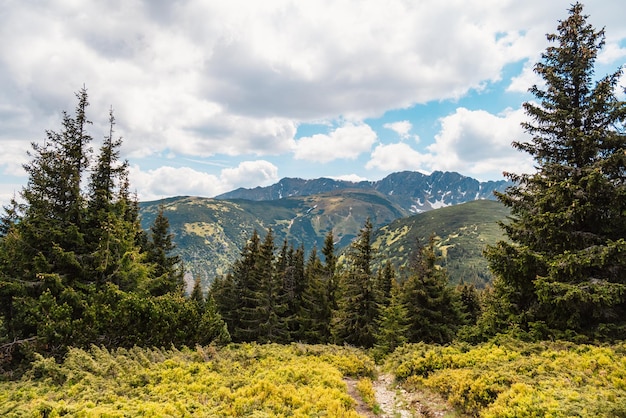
pixel 511 378
pixel 237 380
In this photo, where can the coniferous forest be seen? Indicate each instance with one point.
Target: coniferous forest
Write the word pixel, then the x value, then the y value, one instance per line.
pixel 94 319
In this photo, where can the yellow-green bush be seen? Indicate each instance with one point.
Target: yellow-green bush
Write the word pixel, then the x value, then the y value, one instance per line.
pixel 366 390
pixel 517 379
pixel 238 380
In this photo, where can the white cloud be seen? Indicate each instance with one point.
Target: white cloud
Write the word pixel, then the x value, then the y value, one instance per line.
pixel 223 77
pixel 250 174
pixel 475 143
pixel 397 157
pixel 526 79
pixel 355 178
pixel 237 78
pixel 402 128
pixel 345 142
pixel 168 181
pixel 478 143
pixel 611 52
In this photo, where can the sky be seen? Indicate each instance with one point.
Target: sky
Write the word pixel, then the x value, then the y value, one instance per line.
pixel 212 95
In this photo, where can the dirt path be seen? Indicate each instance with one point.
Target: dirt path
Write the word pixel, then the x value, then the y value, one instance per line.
pixel 392 399
pixel 395 402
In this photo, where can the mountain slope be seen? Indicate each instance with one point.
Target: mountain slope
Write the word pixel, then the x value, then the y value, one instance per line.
pixel 209 233
pixel 412 191
pixel 462 232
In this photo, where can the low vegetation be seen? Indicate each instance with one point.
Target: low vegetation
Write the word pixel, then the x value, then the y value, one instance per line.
pixel 238 380
pixel 503 378
pixel 511 378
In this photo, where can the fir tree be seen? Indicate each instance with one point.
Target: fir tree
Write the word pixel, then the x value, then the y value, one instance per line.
pixel 271 310
pixel 212 328
pixel 330 269
pixel 197 294
pixel 295 285
pixel 392 323
pixel 10 217
pixel 384 283
pixel 433 310
pixel 110 233
pixel 354 322
pixel 564 266
pixel 167 274
pixel 469 299
pixel 315 314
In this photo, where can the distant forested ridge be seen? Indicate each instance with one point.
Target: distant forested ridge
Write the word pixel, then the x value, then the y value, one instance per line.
pixel 210 233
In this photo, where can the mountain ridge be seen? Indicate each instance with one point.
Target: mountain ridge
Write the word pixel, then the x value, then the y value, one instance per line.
pixel 209 233
pixel 414 191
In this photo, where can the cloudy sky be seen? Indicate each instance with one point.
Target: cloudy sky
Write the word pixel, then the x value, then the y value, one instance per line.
pixel 212 95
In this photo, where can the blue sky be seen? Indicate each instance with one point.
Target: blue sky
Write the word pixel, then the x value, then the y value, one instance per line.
pixel 212 95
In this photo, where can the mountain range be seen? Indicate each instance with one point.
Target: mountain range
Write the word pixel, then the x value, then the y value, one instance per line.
pixel 404 208
pixel 413 191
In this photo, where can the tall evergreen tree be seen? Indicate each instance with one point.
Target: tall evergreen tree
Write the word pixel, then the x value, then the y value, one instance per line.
pixel 392 323
pixel 110 232
pixel 354 322
pixel 330 269
pixel 271 297
pixel 243 286
pixel 564 267
pixel 51 233
pixel 469 299
pixel 10 217
pixel 197 294
pixel 167 276
pixel 295 283
pixel 384 283
pixel 433 310
pixel 315 314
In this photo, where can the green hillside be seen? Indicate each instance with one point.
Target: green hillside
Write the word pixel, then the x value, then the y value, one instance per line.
pixel 210 233
pixel 462 232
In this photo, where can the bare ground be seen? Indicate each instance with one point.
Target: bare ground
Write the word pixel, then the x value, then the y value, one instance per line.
pixel 396 402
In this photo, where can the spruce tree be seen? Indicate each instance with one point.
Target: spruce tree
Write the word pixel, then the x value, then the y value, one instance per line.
pixel 51 233
pixel 244 285
pixel 392 323
pixel 271 305
pixel 110 232
pixel 469 299
pixel 197 294
pixel 563 268
pixel 434 313
pixel 330 269
pixel 354 322
pixel 167 275
pixel 294 285
pixel 384 283
pixel 315 313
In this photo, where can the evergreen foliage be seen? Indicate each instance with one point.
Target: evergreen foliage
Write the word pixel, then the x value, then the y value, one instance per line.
pixel 564 269
pixel 167 275
pixel 433 310
pixel 354 322
pixel 75 267
pixel 392 323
